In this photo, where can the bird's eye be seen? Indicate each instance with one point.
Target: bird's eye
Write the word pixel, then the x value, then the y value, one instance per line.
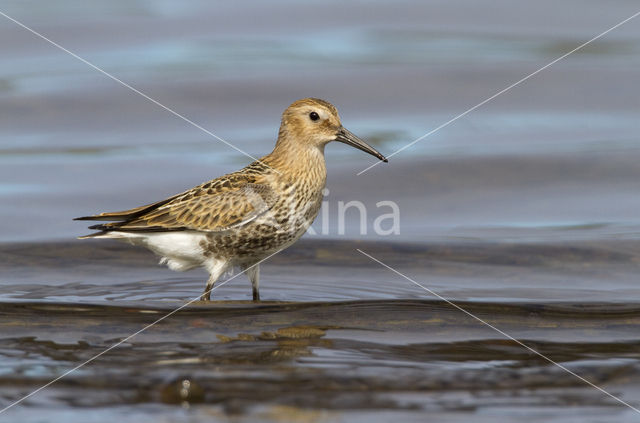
pixel 314 116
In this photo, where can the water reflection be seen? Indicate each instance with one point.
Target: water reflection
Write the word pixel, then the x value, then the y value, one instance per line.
pixel 392 355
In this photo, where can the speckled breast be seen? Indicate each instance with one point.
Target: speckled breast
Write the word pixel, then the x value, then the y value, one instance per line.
pixel 278 227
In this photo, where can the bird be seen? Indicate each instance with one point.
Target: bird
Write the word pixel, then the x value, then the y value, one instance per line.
pixel 240 219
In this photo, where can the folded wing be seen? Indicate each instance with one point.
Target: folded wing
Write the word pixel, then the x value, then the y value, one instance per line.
pixel 198 209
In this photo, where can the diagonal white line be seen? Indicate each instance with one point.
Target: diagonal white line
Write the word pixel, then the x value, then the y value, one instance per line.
pixel 501 332
pixel 68 372
pixel 119 81
pixel 450 121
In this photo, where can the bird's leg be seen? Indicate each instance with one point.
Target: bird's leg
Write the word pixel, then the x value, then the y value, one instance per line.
pixel 254 276
pixel 216 269
pixel 206 295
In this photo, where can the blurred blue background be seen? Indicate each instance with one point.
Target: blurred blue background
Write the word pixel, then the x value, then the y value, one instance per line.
pixel 559 151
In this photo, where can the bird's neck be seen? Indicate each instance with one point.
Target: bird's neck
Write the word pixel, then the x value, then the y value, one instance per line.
pixel 298 161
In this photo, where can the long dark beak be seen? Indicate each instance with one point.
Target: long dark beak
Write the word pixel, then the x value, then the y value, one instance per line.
pixel 350 139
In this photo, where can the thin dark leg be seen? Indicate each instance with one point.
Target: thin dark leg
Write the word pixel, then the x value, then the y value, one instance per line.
pixel 216 269
pixel 206 295
pixel 254 276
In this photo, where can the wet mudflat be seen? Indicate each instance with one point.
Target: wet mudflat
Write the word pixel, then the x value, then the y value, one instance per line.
pixel 381 348
pixel 243 359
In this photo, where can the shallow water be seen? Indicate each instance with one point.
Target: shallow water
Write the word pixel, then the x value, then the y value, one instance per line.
pixel 337 337
pixel 242 359
pixel 525 212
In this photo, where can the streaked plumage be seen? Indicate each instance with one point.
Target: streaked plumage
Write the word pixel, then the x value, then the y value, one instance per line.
pixel 239 219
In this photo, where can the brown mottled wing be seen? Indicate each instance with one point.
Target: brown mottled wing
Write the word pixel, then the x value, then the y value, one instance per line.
pixel 127 214
pixel 203 211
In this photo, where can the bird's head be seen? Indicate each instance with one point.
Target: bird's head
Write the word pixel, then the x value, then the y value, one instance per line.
pixel 315 122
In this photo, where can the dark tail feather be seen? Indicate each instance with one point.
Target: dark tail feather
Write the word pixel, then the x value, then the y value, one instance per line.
pixel 93 235
pixel 121 227
pixel 103 227
pixel 127 214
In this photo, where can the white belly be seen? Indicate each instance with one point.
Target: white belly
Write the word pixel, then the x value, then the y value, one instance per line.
pixel 179 250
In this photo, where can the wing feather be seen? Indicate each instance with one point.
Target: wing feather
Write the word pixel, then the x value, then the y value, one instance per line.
pixel 127 214
pixel 228 206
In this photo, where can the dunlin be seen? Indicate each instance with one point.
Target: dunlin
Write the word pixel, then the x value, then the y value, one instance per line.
pixel 241 218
